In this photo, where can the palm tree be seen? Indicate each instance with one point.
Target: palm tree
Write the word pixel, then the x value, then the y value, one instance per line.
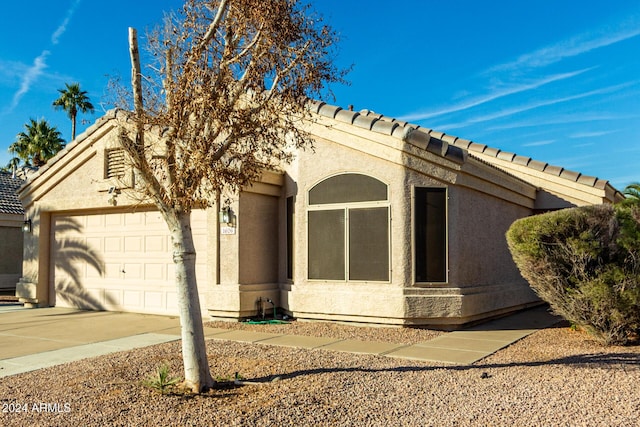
pixel 38 143
pixel 632 193
pixel 72 100
pixel 12 166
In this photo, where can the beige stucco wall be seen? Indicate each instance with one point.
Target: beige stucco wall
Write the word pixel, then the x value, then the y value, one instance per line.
pixel 476 236
pixel 482 204
pixel 249 256
pixel 361 300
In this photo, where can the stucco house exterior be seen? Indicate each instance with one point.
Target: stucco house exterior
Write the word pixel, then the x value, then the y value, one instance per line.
pixel 11 222
pixel 382 222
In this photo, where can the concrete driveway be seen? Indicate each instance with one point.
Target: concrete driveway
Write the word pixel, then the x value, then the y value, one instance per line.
pixel 28 331
pixel 38 338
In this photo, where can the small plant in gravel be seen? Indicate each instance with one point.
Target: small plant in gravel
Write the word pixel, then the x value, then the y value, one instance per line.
pixel 162 381
pixel 585 262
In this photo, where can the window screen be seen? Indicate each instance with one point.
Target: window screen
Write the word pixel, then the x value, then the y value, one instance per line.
pixel 430 216
pixel 326 244
pixel 290 212
pixel 369 244
pixel 348 188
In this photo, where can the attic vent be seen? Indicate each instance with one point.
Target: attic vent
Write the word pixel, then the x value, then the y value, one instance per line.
pixel 114 163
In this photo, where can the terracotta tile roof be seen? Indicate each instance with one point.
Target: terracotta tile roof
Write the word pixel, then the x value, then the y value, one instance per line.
pixel 9 203
pixel 412 134
pixel 450 147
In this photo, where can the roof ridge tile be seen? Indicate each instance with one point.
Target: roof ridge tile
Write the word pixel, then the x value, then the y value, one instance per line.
pixel 346 116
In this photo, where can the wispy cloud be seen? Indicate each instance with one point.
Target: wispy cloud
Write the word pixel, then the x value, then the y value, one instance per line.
pixel 55 37
pixel 574 46
pixel 33 72
pixel 591 134
pixel 510 74
pixel 539 143
pixel 567 118
pixel 585 145
pixel 30 75
pixel 520 109
pixel 496 94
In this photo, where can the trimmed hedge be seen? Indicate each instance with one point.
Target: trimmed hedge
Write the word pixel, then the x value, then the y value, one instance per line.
pixel 585 262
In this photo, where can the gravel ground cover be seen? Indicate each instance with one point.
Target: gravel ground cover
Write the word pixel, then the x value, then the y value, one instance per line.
pixel 337 330
pixel 553 377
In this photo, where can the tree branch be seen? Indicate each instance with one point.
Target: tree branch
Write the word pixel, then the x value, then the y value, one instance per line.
pixel 246 50
pixel 213 27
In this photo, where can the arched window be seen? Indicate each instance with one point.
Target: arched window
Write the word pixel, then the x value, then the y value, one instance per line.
pixel 348 229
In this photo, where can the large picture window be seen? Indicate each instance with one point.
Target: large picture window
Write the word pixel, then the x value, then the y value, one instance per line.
pixel 430 234
pixel 348 229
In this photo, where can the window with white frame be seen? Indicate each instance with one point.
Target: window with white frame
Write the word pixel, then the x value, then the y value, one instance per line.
pixel 348 229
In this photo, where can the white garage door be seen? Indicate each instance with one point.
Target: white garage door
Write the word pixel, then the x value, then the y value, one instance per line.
pixel 118 261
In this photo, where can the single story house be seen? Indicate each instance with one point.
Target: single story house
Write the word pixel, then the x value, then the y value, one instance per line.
pixel 11 223
pixel 383 222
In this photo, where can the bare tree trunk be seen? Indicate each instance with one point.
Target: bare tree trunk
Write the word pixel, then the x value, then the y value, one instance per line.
pixel 197 376
pixel 194 352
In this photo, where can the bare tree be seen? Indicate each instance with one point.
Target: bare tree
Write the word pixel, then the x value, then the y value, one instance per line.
pixel 223 102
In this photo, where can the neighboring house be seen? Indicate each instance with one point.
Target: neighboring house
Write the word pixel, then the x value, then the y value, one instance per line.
pixel 382 222
pixel 11 221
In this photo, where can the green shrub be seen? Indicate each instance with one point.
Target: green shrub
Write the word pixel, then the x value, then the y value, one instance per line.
pixel 162 381
pixel 585 262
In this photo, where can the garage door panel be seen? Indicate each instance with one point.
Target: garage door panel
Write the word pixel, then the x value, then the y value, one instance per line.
pixel 132 299
pixel 154 219
pixel 96 243
pixel 93 221
pixel 112 271
pixel 119 261
pixel 133 244
pixel 112 244
pixel 155 272
pixel 113 297
pixel 155 243
pixel 92 273
pixel 132 271
pixel 134 220
pixel 112 219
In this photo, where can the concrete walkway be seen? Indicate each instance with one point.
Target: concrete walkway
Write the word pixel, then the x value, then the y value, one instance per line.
pixel 38 338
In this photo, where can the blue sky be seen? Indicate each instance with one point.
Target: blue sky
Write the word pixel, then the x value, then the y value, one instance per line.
pixel 558 81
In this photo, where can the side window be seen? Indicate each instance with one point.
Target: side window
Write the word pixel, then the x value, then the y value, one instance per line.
pixel 291 202
pixel 348 229
pixel 430 234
